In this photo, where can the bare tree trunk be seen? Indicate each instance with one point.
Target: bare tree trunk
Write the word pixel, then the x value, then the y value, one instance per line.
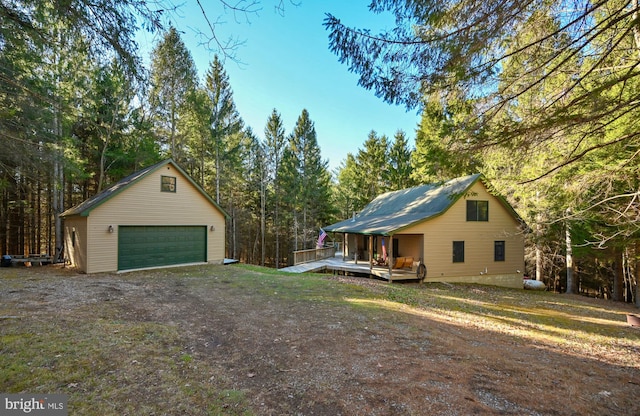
pixel 172 139
pixel 58 204
pixel 202 156
pixel 296 229
pixel 39 214
pixel 105 147
pixel 234 230
pixel 103 158
pixel 538 263
pixel 637 273
pixel 263 209
pixel 538 249
pixel 4 220
pixel 618 278
pixel 569 257
pixel 277 230
pixel 636 28
pixel 33 236
pixel 217 173
pixel 305 228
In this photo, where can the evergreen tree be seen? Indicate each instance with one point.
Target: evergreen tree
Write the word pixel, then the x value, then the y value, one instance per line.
pixel 437 156
pixel 313 179
pixel 373 165
pixel 400 169
pixel 363 177
pixel 346 196
pixel 225 120
pixel 194 124
pixel 290 198
pixel 255 190
pixel 102 126
pixel 275 145
pixel 570 71
pixel 173 82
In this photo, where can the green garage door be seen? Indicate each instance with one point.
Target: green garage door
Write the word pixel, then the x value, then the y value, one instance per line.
pixel 152 246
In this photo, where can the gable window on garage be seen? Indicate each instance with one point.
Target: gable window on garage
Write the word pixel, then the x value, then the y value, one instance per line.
pixel 458 251
pixel 498 250
pixel 168 184
pixel 477 210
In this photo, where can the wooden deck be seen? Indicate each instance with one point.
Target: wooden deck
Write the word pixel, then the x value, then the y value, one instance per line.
pixel 339 264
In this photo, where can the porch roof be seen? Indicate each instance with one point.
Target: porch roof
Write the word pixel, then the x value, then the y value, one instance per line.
pixel 396 210
pixel 378 224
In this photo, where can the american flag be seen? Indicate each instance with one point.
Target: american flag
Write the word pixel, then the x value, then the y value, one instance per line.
pixel 321 238
pixel 384 251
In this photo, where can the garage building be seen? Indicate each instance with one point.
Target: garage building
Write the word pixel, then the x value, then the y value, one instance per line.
pixel 155 217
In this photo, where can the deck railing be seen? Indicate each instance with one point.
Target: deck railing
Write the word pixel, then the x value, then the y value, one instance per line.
pixel 314 254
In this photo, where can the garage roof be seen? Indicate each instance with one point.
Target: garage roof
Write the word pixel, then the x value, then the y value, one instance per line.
pixel 396 210
pixel 85 207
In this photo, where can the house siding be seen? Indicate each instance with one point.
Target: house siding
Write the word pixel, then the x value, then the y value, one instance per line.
pixel 76 251
pixel 143 203
pixel 479 265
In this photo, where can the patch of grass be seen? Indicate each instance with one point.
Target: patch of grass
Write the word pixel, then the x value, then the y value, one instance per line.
pixel 110 368
pixel 574 324
pixel 230 402
pixel 556 320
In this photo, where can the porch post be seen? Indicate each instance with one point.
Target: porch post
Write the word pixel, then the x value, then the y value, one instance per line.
pixel 345 250
pixel 390 257
pixel 370 253
pixel 422 259
pixel 355 254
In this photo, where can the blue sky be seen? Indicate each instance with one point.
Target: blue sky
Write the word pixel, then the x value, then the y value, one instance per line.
pixel 286 64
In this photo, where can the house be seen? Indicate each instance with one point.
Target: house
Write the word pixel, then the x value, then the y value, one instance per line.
pixel 459 231
pixel 155 217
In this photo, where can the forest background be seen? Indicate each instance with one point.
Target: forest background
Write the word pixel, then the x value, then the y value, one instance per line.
pixel 541 97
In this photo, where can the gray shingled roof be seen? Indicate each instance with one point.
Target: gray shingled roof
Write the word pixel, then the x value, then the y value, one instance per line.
pixel 85 207
pixel 394 211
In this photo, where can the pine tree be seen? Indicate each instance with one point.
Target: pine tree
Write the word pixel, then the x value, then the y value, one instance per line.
pixel 437 157
pixel 373 163
pixel 275 144
pixel 255 191
pixel 346 195
pixel 313 179
pixel 400 169
pixel 174 80
pixel 224 118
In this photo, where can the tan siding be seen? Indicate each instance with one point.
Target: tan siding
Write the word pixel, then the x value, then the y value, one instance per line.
pixel 479 237
pixel 76 251
pixel 408 245
pixel 144 204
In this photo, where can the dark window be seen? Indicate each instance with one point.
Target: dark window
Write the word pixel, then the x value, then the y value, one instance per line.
pixel 168 184
pixel 498 250
pixel 458 251
pixel 477 210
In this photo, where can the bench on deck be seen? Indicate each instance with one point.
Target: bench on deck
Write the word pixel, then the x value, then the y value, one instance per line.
pixel 403 263
pixel 31 259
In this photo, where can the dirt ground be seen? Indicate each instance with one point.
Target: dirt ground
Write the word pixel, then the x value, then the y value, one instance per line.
pixel 328 346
